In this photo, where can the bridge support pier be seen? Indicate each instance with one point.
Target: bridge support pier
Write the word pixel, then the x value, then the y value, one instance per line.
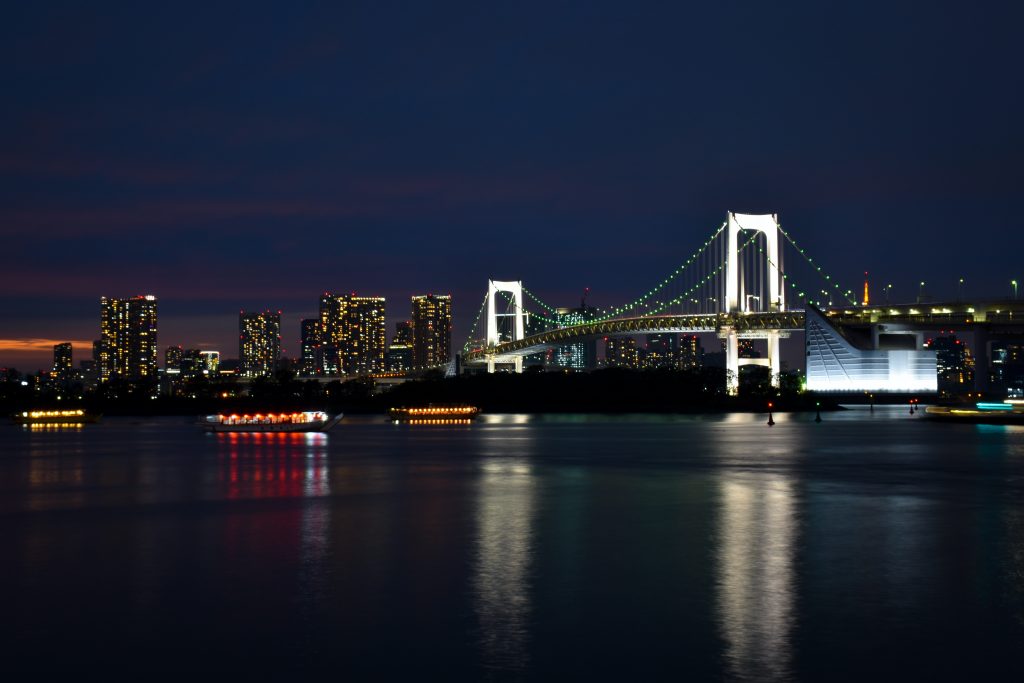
pixel 733 362
pixel 517 362
pixel 775 364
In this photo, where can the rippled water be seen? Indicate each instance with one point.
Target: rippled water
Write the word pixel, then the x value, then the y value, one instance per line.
pixel 872 545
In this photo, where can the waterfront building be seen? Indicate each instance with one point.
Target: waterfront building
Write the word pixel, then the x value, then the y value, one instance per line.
pixel 837 365
pixel 954 364
pixel 311 340
pixel 63 365
pixel 1006 369
pixel 621 352
pixel 259 343
pixel 431 330
pixel 128 333
pixel 356 327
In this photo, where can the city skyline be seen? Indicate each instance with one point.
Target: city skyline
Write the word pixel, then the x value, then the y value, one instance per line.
pixel 361 150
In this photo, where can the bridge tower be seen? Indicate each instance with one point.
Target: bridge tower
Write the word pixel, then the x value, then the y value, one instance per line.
pixel 737 303
pixel 515 290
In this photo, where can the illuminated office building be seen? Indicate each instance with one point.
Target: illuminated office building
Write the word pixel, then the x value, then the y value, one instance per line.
pixel 356 327
pixel 621 352
pixel 403 333
pixel 399 356
pixel 127 348
pixel 259 343
pixel 63 365
pixel 311 340
pixel 661 351
pixel 210 362
pixel 1006 366
pixel 172 359
pixel 579 355
pixel 691 353
pixel 431 330
pixel 954 364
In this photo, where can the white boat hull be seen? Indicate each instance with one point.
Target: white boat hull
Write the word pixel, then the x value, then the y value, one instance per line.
pixel 273 427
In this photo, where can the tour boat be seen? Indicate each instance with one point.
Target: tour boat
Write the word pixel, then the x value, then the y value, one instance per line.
pixel 435 414
pixel 1008 412
pixel 55 418
pixel 309 421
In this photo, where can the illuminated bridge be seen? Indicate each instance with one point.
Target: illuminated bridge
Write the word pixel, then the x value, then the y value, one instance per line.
pixel 736 285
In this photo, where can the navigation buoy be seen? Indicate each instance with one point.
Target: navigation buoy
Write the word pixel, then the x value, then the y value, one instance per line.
pixel 817 417
pixel 771 420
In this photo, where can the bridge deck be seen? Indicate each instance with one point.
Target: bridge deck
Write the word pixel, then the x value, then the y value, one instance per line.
pixel 964 315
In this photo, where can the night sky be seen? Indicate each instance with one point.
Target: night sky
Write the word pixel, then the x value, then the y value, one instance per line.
pixel 253 156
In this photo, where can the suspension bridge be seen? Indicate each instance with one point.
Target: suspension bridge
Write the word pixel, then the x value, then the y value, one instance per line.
pixel 735 285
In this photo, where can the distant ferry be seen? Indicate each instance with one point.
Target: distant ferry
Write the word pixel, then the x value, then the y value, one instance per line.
pixel 73 416
pixel 1008 412
pixel 309 421
pixel 436 414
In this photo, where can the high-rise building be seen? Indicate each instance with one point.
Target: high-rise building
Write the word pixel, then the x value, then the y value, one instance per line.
pixel 954 364
pixel 431 330
pixel 1006 369
pixel 63 365
pixel 356 326
pixel 311 340
pixel 691 353
pixel 661 351
pixel 259 343
pixel 191 364
pixel 210 362
pixel 128 331
pixel 579 355
pixel 172 359
pixel 399 356
pixel 620 352
pixel 403 333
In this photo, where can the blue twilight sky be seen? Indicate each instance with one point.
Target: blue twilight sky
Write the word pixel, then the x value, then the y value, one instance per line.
pixel 252 155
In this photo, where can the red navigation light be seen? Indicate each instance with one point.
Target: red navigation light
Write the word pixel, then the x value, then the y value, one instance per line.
pixel 769 404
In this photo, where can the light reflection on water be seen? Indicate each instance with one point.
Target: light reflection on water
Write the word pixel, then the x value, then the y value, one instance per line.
pixel 505 509
pixel 756 582
pixel 259 465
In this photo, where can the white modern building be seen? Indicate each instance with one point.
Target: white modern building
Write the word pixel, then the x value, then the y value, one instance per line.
pixel 835 365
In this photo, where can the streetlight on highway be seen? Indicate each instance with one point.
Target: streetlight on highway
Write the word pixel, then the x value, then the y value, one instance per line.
pixel 920 292
pixel 1014 283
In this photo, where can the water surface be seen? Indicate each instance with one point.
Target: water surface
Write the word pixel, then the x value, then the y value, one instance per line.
pixel 518 547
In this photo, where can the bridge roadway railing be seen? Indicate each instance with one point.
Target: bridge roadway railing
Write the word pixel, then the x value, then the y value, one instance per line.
pixel 998 313
pixel 741 323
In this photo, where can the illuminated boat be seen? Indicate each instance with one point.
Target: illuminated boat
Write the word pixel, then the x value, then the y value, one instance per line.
pixel 435 414
pixel 309 421
pixel 72 416
pixel 1007 412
